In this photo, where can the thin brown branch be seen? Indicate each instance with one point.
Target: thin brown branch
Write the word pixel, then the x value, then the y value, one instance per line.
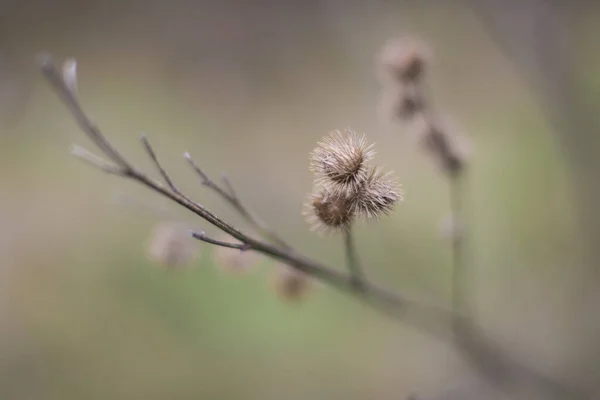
pixel 230 195
pixel 69 98
pixel 154 158
pixel 95 160
pixel 202 236
pixel 352 260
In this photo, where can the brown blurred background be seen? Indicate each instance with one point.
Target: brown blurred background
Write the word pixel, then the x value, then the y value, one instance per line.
pixel 249 88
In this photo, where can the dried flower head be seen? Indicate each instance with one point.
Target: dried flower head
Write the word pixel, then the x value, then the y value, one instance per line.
pixel 404 60
pixel 234 261
pixel 330 208
pixel 341 156
pixel 291 284
pixel 172 246
pixel 379 194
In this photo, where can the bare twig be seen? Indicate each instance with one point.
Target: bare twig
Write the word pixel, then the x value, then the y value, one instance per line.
pixel 230 195
pixel 95 160
pixel 352 260
pixel 202 236
pixel 158 165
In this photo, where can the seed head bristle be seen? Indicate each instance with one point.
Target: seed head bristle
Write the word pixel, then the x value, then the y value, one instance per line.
pixel 379 194
pixel 341 156
pixel 330 208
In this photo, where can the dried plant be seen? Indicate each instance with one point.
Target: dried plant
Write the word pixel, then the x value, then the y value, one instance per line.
pixel 346 189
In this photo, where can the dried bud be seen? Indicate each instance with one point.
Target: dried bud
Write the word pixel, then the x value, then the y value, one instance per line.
pixel 378 195
pixel 448 148
pixel 404 60
pixel 234 261
pixel 290 283
pixel 331 208
pixel 402 101
pixel 341 156
pixel 172 246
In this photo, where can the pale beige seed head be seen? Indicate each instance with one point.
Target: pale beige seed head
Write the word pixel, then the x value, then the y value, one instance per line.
pixel 234 261
pixel 290 284
pixel 340 157
pixel 378 195
pixel 404 60
pixel 172 246
pixel 330 208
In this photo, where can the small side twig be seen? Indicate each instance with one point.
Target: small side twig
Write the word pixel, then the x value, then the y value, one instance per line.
pixel 95 160
pixel 202 236
pixel 230 195
pixel 161 170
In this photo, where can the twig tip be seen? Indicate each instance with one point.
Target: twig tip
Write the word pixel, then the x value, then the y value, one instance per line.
pixel 44 61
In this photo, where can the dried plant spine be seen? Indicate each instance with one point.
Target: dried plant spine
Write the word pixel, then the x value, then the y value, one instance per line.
pixel 341 156
pixel 378 195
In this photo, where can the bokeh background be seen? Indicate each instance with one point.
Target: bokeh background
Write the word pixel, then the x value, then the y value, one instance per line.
pixel 249 88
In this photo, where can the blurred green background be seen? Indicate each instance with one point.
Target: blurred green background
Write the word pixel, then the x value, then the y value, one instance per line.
pixel 249 88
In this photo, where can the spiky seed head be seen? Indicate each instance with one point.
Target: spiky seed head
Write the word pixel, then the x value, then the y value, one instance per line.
pixel 172 246
pixel 234 261
pixel 378 195
pixel 291 284
pixel 330 208
pixel 341 156
pixel 404 60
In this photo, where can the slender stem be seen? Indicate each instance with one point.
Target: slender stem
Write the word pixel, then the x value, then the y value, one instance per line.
pixel 229 194
pixel 459 267
pixel 202 236
pixel 161 170
pixel 357 274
